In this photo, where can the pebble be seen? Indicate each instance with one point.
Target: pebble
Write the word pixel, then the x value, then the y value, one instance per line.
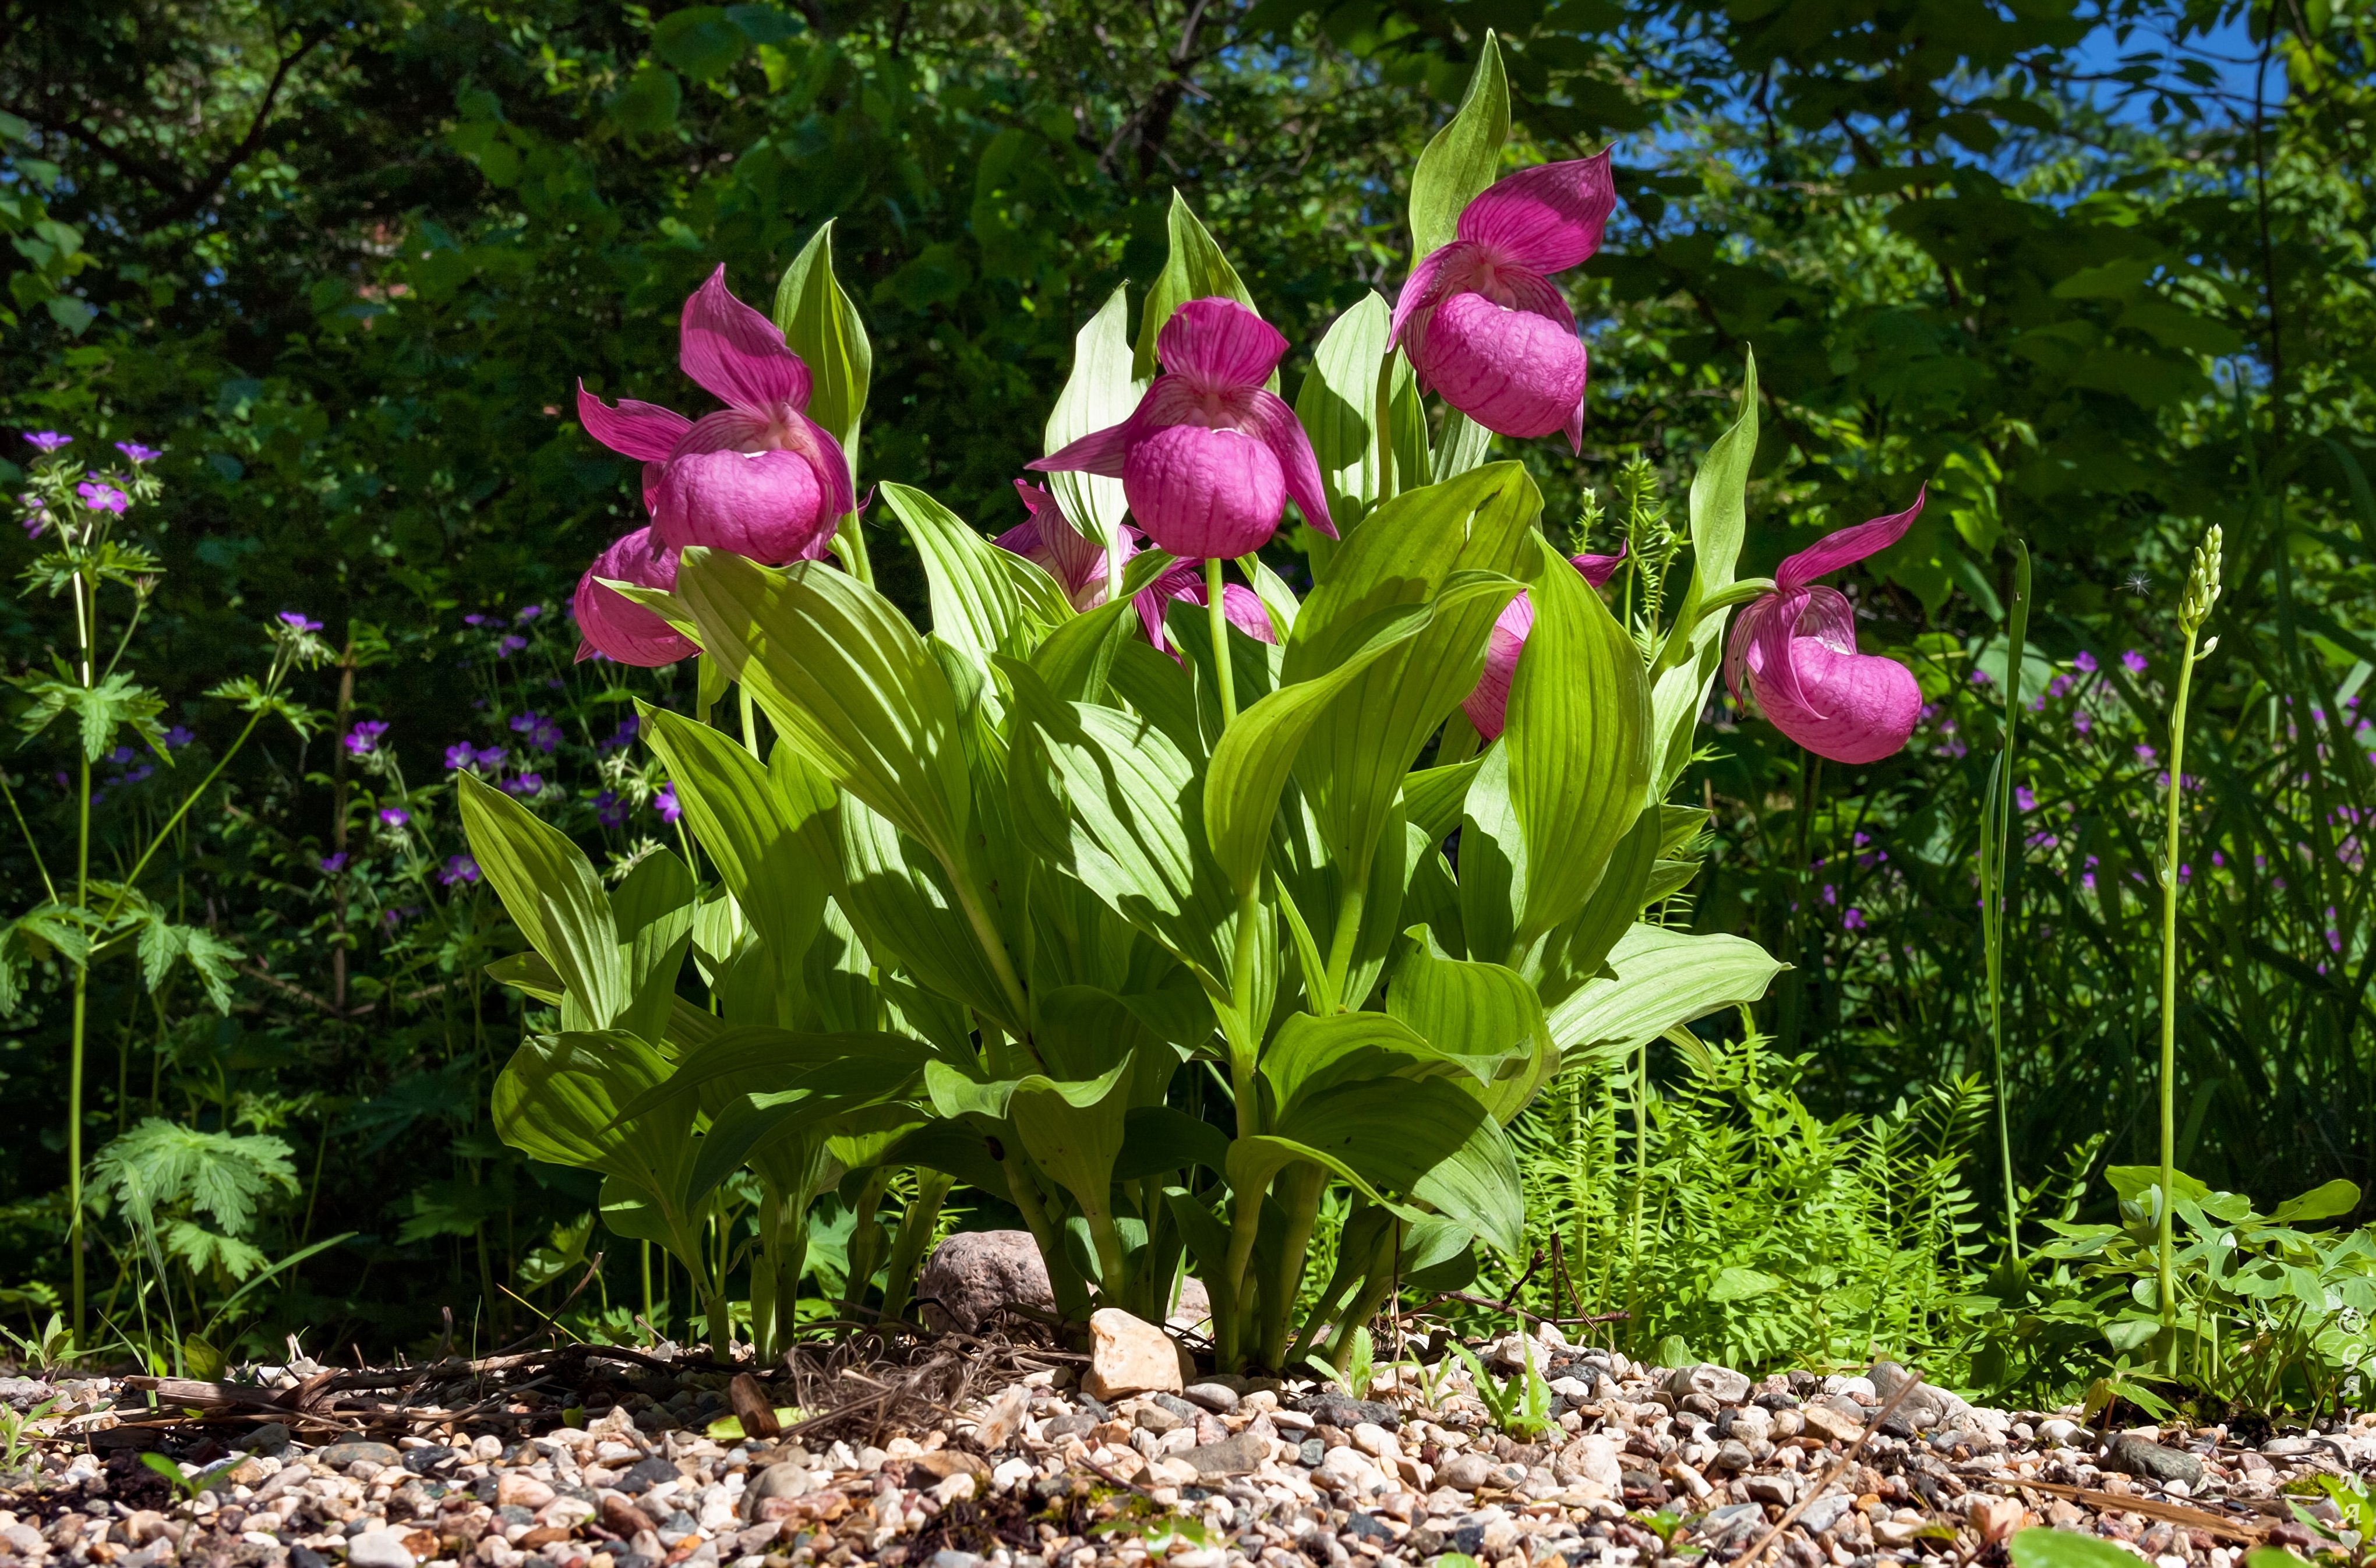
pixel 378 1549
pixel 338 1456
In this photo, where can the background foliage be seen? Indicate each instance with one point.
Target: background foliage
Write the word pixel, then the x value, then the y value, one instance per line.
pixel 2097 273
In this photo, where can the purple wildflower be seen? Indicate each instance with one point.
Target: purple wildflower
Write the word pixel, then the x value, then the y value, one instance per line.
pixel 1852 919
pixel 333 864
pixel 665 803
pixel 524 785
pixel 2024 798
pixel 510 646
pixel 529 613
pixel 47 440
pixel 296 622
pixel 2084 663
pixel 2134 662
pixel 2082 721
pixel 542 732
pixel 2146 752
pixel 474 619
pixel 459 870
pixel 138 452
pixel 1980 677
pixel 101 497
pixel 364 739
pixel 395 816
pixel 611 809
pixel 629 727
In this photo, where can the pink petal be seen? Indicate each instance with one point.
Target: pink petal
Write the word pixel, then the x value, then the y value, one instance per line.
pixel 1429 281
pixel 767 505
pixel 1511 371
pixel 1851 707
pixel 633 429
pixel 1219 345
pixel 615 625
pixel 1269 417
pixel 816 442
pixel 1100 452
pixel 1487 704
pixel 1201 492
pixel 736 430
pixel 1598 569
pixel 1845 547
pixel 1050 542
pixel 1182 580
pixel 1548 218
pixel 736 353
pixel 728 430
pixel 1242 608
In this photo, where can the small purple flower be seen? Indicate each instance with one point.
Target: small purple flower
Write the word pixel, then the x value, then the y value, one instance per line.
pixel 474 619
pixel 102 497
pixel 47 440
pixel 459 870
pixel 2059 686
pixel 296 622
pixel 524 785
pixel 1831 895
pixel 510 646
pixel 629 727
pixel 460 756
pixel 1852 919
pixel 2084 663
pixel 1980 677
pixel 2134 662
pixel 490 755
pixel 120 756
pixel 395 816
pixel 178 736
pixel 610 809
pixel 364 739
pixel 391 918
pixel 529 613
pixel 333 864
pixel 2082 721
pixel 542 732
pixel 2023 799
pixel 665 803
pixel 2146 752
pixel 138 452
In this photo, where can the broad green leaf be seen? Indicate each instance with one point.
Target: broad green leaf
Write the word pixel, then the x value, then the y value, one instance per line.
pixel 1252 764
pixel 1074 1131
pixel 1358 753
pixel 2323 1201
pixel 899 899
pixel 1460 445
pixel 1337 406
pixel 757 1121
pixel 552 893
pixel 1076 658
pixel 1736 1283
pixel 1483 1014
pixel 1279 600
pixel 1098 395
pixel 2039 1547
pixel 844 679
pixel 1719 514
pixel 1428 1138
pixel 1462 159
pixel 1084 1031
pixel 822 326
pixel 1157 1138
pixel 1432 797
pixel 779 859
pixel 653 910
pixel 1576 953
pixel 1579 745
pixel 1313 1053
pixel 759 1057
pixel 1664 978
pixel 1196 269
pixel 1492 860
pixel 1107 798
pixel 528 973
pixel 984 599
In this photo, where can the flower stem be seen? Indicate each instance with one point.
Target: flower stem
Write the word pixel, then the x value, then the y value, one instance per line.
pixel 1994 882
pixel 1223 676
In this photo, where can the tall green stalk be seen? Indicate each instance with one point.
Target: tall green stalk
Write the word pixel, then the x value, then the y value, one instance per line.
pixel 2201 593
pixel 1996 846
pixel 1224 677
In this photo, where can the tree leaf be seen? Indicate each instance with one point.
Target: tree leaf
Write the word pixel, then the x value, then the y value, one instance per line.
pixel 1462 159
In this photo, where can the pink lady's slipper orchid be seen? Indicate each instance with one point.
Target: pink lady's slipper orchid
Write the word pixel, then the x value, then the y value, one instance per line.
pixel 1208 459
pixel 1050 542
pixel 1794 649
pixel 1185 580
pixel 1487 704
pixel 616 626
pixel 758 477
pixel 1481 318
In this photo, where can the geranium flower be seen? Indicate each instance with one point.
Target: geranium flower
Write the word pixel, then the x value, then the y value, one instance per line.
pixel 296 622
pixel 333 864
pixel 1795 651
pixel 1487 704
pixel 102 497
pixel 1482 322
pixel 665 803
pixel 47 440
pixel 758 477
pixel 394 817
pixel 1209 459
pixel 459 870
pixel 616 626
pixel 138 452
pixel 363 738
pixel 540 732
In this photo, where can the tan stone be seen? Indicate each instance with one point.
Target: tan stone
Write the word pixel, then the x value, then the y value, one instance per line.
pixel 519 1490
pixel 1128 1355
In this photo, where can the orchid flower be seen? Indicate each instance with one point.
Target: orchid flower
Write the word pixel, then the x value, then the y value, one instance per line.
pixel 1795 651
pixel 1481 318
pixel 1050 542
pixel 1487 704
pixel 1209 459
pixel 758 477
pixel 616 626
pixel 1185 580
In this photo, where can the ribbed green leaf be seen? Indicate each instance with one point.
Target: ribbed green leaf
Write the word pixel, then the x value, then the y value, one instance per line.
pixel 1338 405
pixel 552 893
pixel 1100 393
pixel 1482 1014
pixel 1196 269
pixel 1664 978
pixel 1576 953
pixel 821 325
pixel 778 862
pixel 1311 1054
pixel 984 599
pixel 1426 1138
pixel 1462 159
pixel 845 680
pixel 900 899
pixel 1579 745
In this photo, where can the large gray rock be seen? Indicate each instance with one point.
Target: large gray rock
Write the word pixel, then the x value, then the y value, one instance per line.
pixel 2141 1456
pixel 1925 1408
pixel 974 1273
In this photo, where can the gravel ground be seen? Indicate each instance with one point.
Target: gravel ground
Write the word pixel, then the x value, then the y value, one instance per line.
pixel 1023 1470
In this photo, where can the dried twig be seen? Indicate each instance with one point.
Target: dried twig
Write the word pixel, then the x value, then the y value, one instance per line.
pixel 1847 1460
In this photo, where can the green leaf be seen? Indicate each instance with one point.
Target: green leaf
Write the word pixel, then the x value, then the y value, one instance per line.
pixel 1157 1138
pixel 1462 159
pixel 984 599
pixel 1736 1283
pixel 1720 518
pixel 1484 1016
pixel 700 41
pixel 653 910
pixel 1426 1137
pixel 1664 978
pixel 552 893
pixel 845 679
pixel 1576 954
pixel 1196 269
pixel 1337 406
pixel 821 325
pixel 750 1123
pixel 2039 1547
pixel 1579 745
pixel 1076 658
pixel 2323 1201
pixel 899 898
pixel 1432 797
pixel 1074 1131
pixel 1099 394
pixel 1312 1054
pixel 1359 749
